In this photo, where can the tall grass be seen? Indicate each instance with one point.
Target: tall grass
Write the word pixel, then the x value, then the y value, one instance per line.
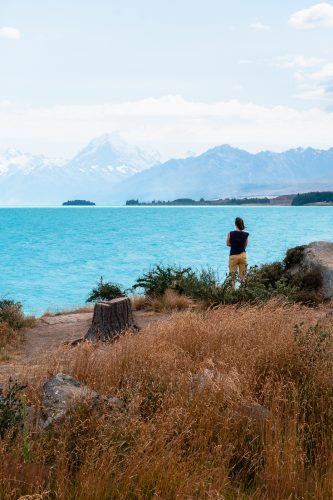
pixel 173 443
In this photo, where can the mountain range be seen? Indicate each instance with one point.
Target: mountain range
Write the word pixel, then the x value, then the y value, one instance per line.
pixel 92 174
pixel 110 171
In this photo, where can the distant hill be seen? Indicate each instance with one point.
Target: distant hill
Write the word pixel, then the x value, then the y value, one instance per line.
pixel 110 171
pixel 313 198
pixel 223 172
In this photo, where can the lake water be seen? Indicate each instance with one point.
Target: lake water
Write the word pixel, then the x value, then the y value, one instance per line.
pixel 51 257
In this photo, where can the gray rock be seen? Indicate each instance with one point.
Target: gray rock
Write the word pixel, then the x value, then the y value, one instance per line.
pixel 256 412
pixel 212 380
pixel 319 255
pixel 63 392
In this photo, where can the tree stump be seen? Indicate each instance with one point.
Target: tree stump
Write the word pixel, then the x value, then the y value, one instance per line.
pixel 110 319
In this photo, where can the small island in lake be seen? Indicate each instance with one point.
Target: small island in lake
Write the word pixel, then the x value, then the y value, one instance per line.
pixel 78 203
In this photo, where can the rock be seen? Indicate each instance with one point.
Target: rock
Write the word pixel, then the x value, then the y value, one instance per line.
pixel 114 403
pixel 256 412
pixel 63 392
pixel 318 256
pixel 213 380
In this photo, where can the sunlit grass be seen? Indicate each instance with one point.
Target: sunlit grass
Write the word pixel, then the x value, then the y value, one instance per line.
pixel 175 443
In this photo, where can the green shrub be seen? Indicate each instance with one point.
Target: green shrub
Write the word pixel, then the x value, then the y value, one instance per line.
pixel 268 274
pixel 293 256
pixel 309 280
pixel 261 284
pixel 11 408
pixel 202 285
pixel 105 291
pixel 11 312
pixel 160 278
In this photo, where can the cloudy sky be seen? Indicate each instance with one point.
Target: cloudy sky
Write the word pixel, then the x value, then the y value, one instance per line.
pixel 170 75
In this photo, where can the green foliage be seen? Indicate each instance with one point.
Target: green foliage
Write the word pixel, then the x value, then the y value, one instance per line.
pixel 261 284
pixel 79 203
pixel 268 274
pixel 202 285
pixel 293 256
pixel 11 409
pixel 313 197
pixel 105 291
pixel 11 312
pixel 160 278
pixel 247 201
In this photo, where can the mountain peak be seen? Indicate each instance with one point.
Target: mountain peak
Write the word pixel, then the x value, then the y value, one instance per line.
pixel 111 152
pixel 112 139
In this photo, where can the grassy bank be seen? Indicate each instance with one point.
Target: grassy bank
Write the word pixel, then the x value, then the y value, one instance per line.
pixel 173 442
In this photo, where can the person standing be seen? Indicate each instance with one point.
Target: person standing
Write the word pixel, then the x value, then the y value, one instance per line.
pixel 237 240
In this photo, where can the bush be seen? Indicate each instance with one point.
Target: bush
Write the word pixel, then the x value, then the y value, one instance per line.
pixel 261 284
pixel 105 291
pixel 159 279
pixel 293 257
pixel 11 313
pixel 11 408
pixel 269 274
pixel 202 285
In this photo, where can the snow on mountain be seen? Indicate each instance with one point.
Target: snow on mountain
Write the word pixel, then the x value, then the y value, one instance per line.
pixel 224 171
pixel 92 174
pixel 12 160
pixel 108 171
pixel 111 154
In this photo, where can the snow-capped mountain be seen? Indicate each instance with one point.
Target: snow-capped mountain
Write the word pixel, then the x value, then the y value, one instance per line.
pixel 110 171
pixel 92 174
pixel 112 155
pixel 224 171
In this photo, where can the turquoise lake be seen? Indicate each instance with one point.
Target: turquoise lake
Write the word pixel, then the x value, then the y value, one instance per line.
pixel 51 257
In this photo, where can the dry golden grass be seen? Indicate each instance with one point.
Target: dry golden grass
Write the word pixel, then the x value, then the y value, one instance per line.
pixel 172 443
pixel 170 301
pixel 77 310
pixel 139 302
pixel 10 340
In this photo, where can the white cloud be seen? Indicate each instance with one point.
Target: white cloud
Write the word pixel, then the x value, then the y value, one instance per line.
pixel 297 61
pixel 169 124
pixel 317 84
pixel 260 27
pixel 314 77
pixel 317 16
pixel 10 33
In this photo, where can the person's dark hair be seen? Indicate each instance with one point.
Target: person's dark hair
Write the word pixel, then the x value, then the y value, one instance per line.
pixel 239 223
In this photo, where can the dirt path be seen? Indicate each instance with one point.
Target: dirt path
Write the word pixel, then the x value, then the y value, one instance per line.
pixel 50 332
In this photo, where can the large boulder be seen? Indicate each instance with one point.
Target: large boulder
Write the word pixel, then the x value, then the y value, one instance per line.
pixel 317 256
pixel 63 393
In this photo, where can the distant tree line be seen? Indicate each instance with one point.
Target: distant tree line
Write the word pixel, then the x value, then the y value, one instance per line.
pixel 314 197
pixel 202 201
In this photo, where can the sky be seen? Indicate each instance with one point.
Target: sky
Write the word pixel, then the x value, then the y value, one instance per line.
pixel 175 76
